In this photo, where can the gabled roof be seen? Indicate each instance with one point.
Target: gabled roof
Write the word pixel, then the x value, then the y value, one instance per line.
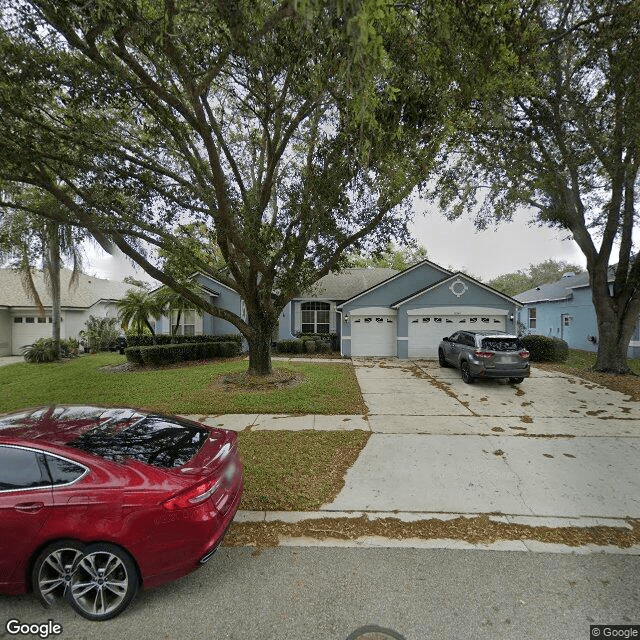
pixel 89 290
pixel 394 274
pixel 344 284
pixel 453 276
pixel 555 291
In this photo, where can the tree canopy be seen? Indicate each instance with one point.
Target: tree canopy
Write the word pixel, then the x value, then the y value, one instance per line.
pixel 536 274
pixel 286 132
pixel 393 257
pixel 565 141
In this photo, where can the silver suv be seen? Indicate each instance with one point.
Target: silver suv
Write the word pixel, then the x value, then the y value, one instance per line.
pixel 489 354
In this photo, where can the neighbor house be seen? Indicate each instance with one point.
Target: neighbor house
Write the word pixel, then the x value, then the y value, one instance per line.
pixel 21 323
pixel 374 311
pixel 564 309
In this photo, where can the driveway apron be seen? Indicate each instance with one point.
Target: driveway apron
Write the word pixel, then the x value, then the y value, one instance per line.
pixel 553 446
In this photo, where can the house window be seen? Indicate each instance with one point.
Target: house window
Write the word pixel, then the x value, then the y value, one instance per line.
pixel 533 316
pixel 187 325
pixel 315 317
pixel 42 320
pixel 30 320
pixel 567 320
pixel 18 319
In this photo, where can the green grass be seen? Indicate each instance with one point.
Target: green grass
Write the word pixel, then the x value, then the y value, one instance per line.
pixel 328 388
pixel 585 360
pixel 295 470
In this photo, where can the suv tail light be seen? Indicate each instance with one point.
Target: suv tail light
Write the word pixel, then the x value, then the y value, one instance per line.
pixel 483 354
pixel 524 354
pixel 193 496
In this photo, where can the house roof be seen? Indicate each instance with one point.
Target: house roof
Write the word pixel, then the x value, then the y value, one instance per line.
pixel 89 290
pixel 559 290
pixel 453 276
pixel 347 283
pixel 394 274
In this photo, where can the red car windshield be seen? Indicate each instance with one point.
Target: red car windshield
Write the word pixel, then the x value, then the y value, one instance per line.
pixel 153 440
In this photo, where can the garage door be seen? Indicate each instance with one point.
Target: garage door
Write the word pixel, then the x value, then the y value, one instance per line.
pixel 426 331
pixel 374 335
pixel 26 330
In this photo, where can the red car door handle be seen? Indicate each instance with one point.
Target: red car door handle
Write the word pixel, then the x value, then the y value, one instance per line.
pixel 29 507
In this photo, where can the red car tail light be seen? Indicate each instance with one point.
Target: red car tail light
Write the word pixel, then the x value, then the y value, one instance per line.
pixel 524 354
pixel 483 354
pixel 193 496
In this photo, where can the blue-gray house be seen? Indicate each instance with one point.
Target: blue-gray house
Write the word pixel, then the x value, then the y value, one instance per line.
pixel 376 311
pixel 564 309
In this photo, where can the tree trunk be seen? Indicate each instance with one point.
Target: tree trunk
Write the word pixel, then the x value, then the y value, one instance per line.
pixel 616 323
pixel 54 283
pixel 260 343
pixel 174 329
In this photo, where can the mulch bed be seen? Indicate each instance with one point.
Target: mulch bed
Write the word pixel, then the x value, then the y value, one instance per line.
pixel 243 381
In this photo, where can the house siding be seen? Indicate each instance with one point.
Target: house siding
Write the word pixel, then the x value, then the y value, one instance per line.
pixel 550 315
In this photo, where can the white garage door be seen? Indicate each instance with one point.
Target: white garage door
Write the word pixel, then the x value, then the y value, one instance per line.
pixel 426 331
pixel 374 335
pixel 26 330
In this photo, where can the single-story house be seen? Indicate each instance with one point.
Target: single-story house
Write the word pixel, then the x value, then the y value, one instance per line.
pixel 20 322
pixel 564 309
pixel 377 312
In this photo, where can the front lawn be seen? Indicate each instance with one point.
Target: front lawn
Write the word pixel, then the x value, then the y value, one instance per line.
pixel 327 389
pixel 580 363
pixel 295 470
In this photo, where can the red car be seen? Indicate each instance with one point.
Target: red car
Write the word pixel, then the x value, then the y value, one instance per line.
pixel 95 502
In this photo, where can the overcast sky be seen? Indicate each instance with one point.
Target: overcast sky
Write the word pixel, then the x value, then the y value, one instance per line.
pixel 453 245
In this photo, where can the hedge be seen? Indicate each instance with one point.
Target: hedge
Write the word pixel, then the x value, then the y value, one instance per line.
pixel 289 346
pixel 146 340
pixel 170 353
pixel 330 339
pixel 546 348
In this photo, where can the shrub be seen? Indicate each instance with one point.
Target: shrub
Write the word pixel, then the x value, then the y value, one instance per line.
pixel 133 355
pixel 330 339
pixel 546 348
pixel 169 353
pixel 42 350
pixel 69 348
pixel 100 333
pixel 289 346
pixel 309 346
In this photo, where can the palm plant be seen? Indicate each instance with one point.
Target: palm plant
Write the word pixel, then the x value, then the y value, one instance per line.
pixel 137 306
pixel 174 302
pixel 29 241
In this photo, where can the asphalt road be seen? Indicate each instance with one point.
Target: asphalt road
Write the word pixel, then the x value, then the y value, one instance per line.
pixel 325 594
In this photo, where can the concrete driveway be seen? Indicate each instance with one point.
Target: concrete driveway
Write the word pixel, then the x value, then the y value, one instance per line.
pixel 554 446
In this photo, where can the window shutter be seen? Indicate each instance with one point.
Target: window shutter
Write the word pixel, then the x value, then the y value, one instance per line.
pixel 332 317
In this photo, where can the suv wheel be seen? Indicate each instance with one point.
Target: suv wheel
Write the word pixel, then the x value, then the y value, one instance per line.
pixel 466 373
pixel 516 380
pixel 441 359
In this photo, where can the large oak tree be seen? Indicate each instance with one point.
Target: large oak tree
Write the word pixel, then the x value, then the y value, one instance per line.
pixel 291 131
pixel 566 142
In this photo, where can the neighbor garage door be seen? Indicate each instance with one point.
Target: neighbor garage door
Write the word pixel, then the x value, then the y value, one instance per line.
pixel 426 331
pixel 26 329
pixel 373 335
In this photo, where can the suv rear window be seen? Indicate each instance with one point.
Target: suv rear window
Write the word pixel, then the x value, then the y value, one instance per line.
pixel 502 344
pixel 153 440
